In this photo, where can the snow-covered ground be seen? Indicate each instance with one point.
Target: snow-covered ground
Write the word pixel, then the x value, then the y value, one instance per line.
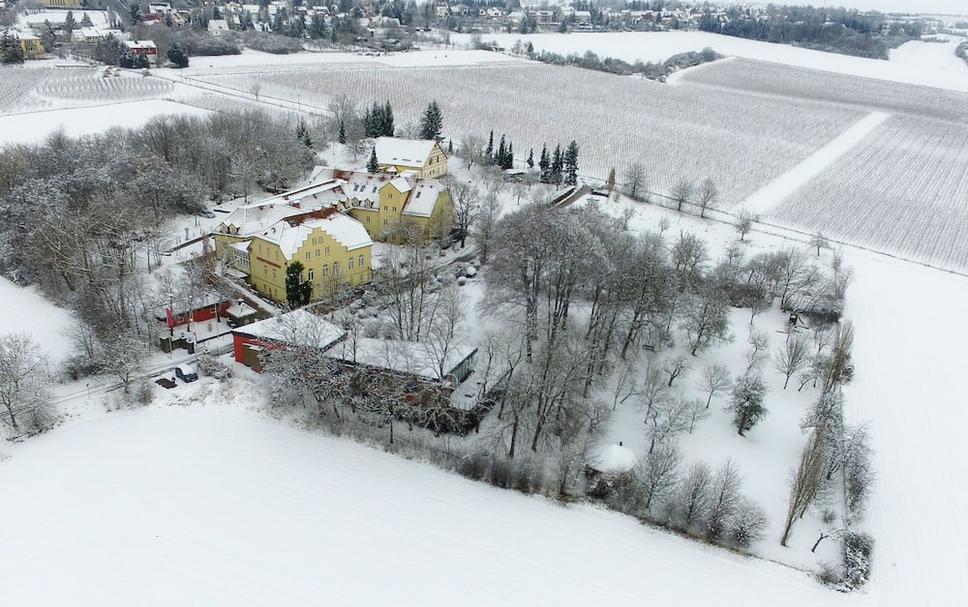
pixel 22 310
pixel 789 182
pixel 924 63
pixel 208 505
pixel 33 127
pixel 251 60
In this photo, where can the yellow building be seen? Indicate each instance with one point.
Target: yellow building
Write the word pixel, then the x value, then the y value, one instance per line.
pixel 423 157
pixel 384 204
pixel 334 249
pixel 31 45
pixel 70 4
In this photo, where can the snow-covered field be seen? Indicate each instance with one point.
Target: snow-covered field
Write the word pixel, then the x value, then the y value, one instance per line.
pixel 922 63
pixel 24 311
pixel 740 139
pixel 33 127
pixel 215 506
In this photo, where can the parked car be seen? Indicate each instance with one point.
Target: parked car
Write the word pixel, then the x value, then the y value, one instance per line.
pixel 206 213
pixel 166 382
pixel 186 373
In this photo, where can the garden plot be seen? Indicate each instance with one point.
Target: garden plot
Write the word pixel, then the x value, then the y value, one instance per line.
pixel 741 140
pixel 17 83
pixel 904 190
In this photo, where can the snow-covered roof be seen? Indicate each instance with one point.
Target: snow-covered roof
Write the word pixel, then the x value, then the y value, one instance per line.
pixel 614 459
pixel 411 358
pixel 291 234
pixel 406 152
pixel 424 197
pixel 139 44
pixel 252 219
pixel 296 328
pixel 317 195
pixel 218 25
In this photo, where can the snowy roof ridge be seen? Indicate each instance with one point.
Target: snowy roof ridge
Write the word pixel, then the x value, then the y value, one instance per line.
pixel 298 328
pixel 407 152
pixel 412 358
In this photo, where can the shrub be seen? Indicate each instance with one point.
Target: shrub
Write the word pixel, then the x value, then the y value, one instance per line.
pixel 271 43
pixel 858 551
pixel 202 44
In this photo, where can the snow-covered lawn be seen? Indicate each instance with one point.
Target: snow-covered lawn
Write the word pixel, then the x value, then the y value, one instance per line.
pixel 908 356
pixel 213 506
pixel 22 310
pixel 35 126
pixel 924 63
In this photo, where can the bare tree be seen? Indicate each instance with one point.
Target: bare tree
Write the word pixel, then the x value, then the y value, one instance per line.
pixel 805 483
pixel 23 382
pixel 697 411
pixel 675 368
pixel 820 242
pixel 792 357
pixel 681 192
pixel 725 497
pixel 708 196
pixel 625 385
pixel 657 474
pixel 758 353
pixel 747 524
pixel 744 223
pixel 705 320
pixel 466 199
pixel 669 418
pixel 694 496
pixel 714 380
pixel 635 180
pixel 487 223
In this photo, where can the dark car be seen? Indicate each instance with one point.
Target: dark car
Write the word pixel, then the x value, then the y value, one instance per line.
pixel 186 373
pixel 166 382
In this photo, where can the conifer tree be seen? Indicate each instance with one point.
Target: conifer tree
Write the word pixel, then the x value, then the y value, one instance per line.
pixel 545 165
pixel 388 120
pixel 489 152
pixel 501 150
pixel 531 158
pixel 557 164
pixel 342 133
pixel 571 163
pixel 509 157
pixel 432 122
pixel 373 166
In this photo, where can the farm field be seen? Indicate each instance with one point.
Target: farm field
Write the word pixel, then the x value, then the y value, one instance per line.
pixel 33 127
pixel 740 139
pixel 921 63
pixel 903 189
pixel 23 310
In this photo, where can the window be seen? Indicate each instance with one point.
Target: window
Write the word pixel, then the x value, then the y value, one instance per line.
pixel 325 270
pixel 327 250
pixel 308 255
pixel 349 264
pixel 361 261
pixel 317 252
pixel 385 222
pixel 311 275
pixel 419 193
pixel 273 274
pixel 367 219
pixel 335 268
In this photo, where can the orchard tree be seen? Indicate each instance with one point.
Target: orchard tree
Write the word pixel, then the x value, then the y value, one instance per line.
pixel 708 196
pixel 466 199
pixel 791 357
pixel 635 181
pixel 706 320
pixel 681 192
pixel 714 380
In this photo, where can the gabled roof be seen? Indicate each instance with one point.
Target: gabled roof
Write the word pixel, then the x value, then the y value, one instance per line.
pixel 406 152
pixel 317 195
pixel 424 197
pixel 290 234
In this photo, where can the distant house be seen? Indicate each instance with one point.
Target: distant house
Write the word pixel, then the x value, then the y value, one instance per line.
pixel 31 45
pixel 144 48
pixel 421 156
pixel 69 4
pixel 297 328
